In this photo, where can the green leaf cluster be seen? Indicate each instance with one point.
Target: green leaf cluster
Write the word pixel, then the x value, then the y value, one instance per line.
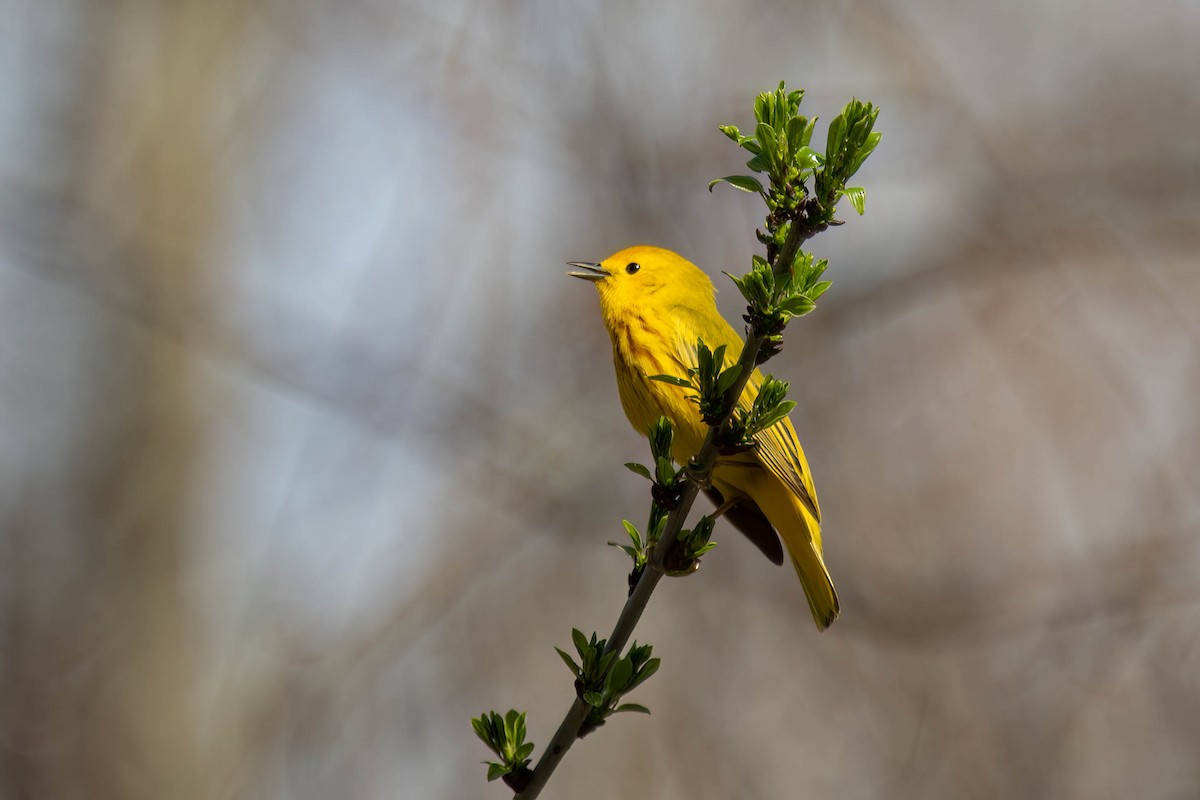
pixel 780 286
pixel 710 381
pixel 779 146
pixel 684 555
pixel 661 434
pixel 698 540
pixel 850 141
pixel 602 679
pixel 639 550
pixel 774 298
pixel 665 489
pixel 506 738
pixel 770 406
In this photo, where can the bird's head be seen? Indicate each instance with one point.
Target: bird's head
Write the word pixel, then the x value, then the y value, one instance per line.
pixel 644 277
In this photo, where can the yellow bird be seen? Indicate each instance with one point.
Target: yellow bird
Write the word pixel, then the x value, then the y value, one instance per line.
pixel 655 305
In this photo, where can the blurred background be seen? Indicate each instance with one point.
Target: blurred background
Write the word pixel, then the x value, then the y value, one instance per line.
pixel 309 451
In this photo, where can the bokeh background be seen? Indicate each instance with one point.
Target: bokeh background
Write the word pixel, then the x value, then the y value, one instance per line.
pixel 309 452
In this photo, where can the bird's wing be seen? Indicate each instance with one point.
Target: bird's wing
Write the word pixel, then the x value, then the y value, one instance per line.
pixel 778 450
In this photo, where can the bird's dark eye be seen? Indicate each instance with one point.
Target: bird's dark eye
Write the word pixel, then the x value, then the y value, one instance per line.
pixel 632 267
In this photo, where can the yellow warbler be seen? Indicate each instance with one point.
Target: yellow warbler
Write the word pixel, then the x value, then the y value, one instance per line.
pixel 656 304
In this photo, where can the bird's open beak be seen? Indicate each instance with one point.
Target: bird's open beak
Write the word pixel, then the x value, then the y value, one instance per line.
pixel 593 271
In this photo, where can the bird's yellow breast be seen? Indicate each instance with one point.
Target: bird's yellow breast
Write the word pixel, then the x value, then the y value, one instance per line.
pixel 643 347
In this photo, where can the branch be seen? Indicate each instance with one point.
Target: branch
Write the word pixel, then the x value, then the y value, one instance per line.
pixel 783 285
pixel 699 471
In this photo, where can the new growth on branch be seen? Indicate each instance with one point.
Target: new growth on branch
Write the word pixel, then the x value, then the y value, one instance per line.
pixel 801 188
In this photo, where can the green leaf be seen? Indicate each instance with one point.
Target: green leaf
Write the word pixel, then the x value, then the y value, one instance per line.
pixel 638 469
pixel 496 770
pixel 760 106
pixel 481 730
pixel 581 642
pixel 511 720
pixel 813 270
pixel 640 709
pixel 743 182
pixel 658 521
pixel 718 361
pixel 766 137
pixel 808 132
pixel 809 158
pixel 703 529
pixel 523 752
pixel 872 141
pixel 618 677
pixel 837 134
pixel 731 131
pixel 633 532
pixel 570 662
pixel 857 197
pixel 759 163
pixel 728 378
pixel 519 741
pixel 660 434
pixel 594 699
pixel 651 667
pixel 819 289
pixel 671 379
pixel 629 551
pixel 797 305
pixel 770 393
pixel 704 356
pixel 776 414
pixel 795 134
pixel 665 471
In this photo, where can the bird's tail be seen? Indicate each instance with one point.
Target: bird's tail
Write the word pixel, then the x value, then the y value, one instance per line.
pixel 802 535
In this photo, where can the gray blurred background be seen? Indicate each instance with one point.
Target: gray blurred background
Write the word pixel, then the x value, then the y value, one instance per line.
pixel 309 452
